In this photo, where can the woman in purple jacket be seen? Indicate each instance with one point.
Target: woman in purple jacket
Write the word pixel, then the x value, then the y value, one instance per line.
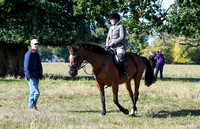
pixel 160 61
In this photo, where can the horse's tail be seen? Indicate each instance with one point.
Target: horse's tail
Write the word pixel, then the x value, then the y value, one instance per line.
pixel 149 77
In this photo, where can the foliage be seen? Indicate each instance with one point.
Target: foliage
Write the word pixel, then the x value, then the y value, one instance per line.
pixel 183 19
pixel 191 42
pixel 2 2
pixel 60 23
pixel 45 52
pixel 62 53
pixel 136 44
pixel 166 47
pixel 49 52
pixel 180 54
pixel 64 22
pixel 184 53
pixel 175 52
pixel 52 22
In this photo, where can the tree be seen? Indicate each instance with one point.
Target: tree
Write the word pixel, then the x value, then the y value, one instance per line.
pixel 183 18
pixel 51 22
pixel 174 52
pixel 184 54
pixel 166 47
pixel 135 44
pixel 62 53
pixel 180 55
pixel 61 23
pixel 45 52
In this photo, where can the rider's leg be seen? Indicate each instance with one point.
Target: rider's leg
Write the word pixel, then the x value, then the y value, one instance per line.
pixel 123 63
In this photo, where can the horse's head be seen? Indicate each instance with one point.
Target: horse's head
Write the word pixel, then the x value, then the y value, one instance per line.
pixel 75 60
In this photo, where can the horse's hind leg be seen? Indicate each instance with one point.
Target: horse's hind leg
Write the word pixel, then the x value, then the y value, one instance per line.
pixel 115 88
pixel 136 94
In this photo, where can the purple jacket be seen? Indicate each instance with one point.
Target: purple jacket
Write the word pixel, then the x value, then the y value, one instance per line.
pixel 160 60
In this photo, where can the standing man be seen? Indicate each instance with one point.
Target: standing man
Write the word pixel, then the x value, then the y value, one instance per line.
pixel 115 41
pixel 33 72
pixel 160 61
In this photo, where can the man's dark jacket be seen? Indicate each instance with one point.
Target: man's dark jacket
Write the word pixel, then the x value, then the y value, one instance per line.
pixel 32 65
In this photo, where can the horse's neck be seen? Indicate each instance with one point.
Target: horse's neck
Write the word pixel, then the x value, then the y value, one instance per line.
pixel 94 59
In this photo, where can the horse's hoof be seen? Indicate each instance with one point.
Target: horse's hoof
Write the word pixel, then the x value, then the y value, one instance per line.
pixel 126 111
pixel 103 114
pixel 132 113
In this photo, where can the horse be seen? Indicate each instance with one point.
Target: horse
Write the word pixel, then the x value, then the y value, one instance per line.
pixel 106 73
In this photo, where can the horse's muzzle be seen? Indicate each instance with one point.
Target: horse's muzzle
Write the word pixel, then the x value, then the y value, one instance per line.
pixel 73 73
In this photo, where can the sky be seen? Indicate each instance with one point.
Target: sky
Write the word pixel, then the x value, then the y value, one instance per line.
pixel 166 4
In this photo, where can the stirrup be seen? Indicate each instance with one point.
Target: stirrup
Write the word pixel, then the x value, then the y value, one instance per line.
pixel 126 75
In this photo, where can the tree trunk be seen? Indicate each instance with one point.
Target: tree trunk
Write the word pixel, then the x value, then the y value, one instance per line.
pixel 12 59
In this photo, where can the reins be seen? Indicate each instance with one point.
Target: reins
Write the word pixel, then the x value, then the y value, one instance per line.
pixel 96 73
pixel 84 65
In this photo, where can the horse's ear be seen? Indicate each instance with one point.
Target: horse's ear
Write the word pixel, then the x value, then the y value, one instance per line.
pixel 74 47
pixel 69 47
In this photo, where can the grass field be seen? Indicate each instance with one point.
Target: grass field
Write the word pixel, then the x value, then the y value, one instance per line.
pixel 67 102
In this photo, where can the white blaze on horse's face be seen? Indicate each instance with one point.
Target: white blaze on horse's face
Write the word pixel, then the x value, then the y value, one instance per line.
pixel 71 59
pixel 72 67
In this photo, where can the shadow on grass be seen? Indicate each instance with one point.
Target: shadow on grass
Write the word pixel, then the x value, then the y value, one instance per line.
pixel 11 80
pixel 60 77
pixel 93 111
pixel 56 77
pixel 181 79
pixel 99 112
pixel 181 113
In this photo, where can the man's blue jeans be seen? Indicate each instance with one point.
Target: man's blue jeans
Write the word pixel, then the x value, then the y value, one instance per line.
pixel 159 68
pixel 34 92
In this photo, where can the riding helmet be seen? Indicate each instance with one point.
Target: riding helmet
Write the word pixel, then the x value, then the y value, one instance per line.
pixel 115 16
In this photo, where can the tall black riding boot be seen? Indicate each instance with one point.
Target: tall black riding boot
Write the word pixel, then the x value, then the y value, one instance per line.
pixel 124 65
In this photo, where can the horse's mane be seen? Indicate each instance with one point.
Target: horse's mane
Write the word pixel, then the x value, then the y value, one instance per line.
pixel 93 47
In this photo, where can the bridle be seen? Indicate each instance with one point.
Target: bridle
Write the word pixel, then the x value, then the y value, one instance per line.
pixel 78 58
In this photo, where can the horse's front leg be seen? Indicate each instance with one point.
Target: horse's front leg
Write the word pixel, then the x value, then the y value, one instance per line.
pixel 128 87
pixel 115 88
pixel 102 94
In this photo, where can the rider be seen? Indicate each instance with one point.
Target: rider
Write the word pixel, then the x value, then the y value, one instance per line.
pixel 115 40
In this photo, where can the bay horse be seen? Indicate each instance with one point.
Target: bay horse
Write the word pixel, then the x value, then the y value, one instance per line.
pixel 105 71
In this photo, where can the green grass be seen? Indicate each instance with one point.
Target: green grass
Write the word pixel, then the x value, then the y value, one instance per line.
pixel 67 102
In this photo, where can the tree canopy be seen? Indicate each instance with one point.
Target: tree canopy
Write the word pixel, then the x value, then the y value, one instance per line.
pixel 63 22
pixel 52 22
pixel 184 18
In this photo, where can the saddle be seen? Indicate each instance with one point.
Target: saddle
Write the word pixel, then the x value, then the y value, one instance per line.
pixel 119 66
